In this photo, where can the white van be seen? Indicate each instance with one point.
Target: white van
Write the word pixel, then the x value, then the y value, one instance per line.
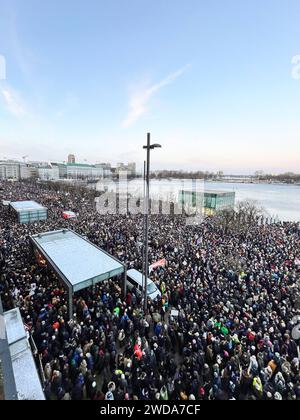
pixel 135 279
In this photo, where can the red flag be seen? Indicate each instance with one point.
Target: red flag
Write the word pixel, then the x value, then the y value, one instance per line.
pixel 160 263
pixel 69 215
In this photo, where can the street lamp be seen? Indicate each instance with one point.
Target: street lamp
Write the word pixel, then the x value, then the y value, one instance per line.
pixel 148 147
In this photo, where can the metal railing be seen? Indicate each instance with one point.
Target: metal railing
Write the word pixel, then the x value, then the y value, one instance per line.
pixel 38 360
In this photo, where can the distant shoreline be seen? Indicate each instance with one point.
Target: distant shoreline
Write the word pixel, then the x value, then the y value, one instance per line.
pixel 295 184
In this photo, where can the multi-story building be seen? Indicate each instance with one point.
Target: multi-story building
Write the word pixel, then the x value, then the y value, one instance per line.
pixel 130 168
pixel 84 171
pixel 37 164
pixel 49 173
pixel 71 158
pixel 62 169
pixel 13 170
pixel 106 169
pixel 28 171
pixel 10 170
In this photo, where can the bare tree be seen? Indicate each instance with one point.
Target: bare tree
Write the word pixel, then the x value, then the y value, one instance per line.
pixel 238 220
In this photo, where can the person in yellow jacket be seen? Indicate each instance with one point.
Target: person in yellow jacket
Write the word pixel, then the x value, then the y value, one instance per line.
pixel 257 387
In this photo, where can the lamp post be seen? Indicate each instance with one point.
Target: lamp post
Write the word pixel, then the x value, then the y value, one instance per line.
pixel 144 215
pixel 148 147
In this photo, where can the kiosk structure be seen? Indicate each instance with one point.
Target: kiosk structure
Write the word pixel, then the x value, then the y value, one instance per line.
pixel 78 263
pixel 29 211
pixel 21 380
pixel 208 202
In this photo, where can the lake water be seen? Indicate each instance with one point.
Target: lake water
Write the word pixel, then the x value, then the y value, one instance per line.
pixel 282 201
pixel 279 200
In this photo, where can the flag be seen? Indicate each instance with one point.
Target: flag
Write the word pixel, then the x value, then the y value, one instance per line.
pixel 69 215
pixel 27 327
pixel 160 263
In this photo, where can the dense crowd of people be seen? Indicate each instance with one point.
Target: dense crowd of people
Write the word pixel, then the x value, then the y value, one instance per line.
pixel 234 296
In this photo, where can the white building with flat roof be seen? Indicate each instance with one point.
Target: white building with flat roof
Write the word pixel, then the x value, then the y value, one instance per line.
pixel 28 171
pixel 84 171
pixel 130 168
pixel 50 173
pixel 10 170
pixel 14 170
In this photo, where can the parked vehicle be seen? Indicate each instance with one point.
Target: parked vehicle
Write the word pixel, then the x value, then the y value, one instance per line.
pixel 135 279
